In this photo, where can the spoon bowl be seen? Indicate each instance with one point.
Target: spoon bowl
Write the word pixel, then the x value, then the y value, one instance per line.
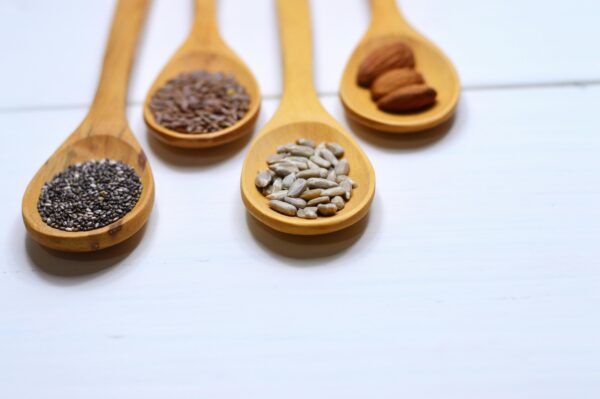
pixel 204 49
pixel 361 172
pixel 81 150
pixel 103 134
pixel 301 115
pixel 387 25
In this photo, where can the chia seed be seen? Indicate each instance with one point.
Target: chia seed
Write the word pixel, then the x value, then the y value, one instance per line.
pixel 89 195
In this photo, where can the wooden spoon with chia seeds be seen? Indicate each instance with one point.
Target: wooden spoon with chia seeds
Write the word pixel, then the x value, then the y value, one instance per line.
pixel 388 25
pixel 204 49
pixel 301 115
pixel 104 133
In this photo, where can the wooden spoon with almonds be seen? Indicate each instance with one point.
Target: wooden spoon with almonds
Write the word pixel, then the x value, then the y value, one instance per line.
pixel 389 26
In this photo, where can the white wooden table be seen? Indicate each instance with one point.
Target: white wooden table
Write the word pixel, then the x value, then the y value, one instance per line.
pixel 476 275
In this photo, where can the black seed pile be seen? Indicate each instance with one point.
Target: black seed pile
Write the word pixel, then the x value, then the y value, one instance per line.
pixel 200 102
pixel 89 195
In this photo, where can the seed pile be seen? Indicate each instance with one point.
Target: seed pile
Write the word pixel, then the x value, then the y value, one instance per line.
pixel 306 180
pixel 200 102
pixel 89 195
pixel 395 85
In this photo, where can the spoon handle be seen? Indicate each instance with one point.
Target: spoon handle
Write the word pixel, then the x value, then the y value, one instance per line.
pixel 108 106
pixel 386 17
pixel 205 31
pixel 299 96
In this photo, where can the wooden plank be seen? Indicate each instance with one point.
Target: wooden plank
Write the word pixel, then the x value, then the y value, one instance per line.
pixel 52 51
pixel 475 276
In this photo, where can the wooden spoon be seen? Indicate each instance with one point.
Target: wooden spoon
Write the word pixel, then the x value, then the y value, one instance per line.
pixel 300 114
pixel 205 49
pixel 388 25
pixel 104 133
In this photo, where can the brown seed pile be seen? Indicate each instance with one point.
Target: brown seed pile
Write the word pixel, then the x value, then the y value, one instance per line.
pixel 200 102
pixel 395 85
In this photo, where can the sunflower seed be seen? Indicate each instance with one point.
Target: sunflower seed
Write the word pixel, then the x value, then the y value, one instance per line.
pixel 320 161
pixel 296 158
pixel 277 185
pixel 305 174
pixel 307 213
pixel 278 195
pixel 315 182
pixel 267 190
pixel 318 200
pixel 284 163
pixel 328 155
pixel 338 202
pixel 262 179
pixel 288 180
pixel 331 175
pixel 306 142
pixel 334 191
pixel 299 165
pixel 347 186
pixel 289 163
pixel 342 168
pixel 335 148
pixel 311 194
pixel 285 148
pixel 273 158
pixel 297 188
pixel 341 178
pixel 312 165
pixel 297 202
pixel 327 209
pixel 283 170
pixel 302 150
pixel 283 207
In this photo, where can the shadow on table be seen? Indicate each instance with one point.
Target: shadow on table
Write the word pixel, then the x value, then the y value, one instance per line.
pixel 309 250
pixel 49 263
pixel 395 141
pixel 193 158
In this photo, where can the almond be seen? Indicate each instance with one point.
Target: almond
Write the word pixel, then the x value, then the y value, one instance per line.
pixel 394 79
pixel 408 98
pixel 384 58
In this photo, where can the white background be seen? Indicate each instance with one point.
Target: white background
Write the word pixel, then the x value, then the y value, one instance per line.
pixel 476 274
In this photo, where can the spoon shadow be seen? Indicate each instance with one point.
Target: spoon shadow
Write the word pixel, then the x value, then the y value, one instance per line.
pixel 306 251
pixel 408 141
pixel 49 263
pixel 199 157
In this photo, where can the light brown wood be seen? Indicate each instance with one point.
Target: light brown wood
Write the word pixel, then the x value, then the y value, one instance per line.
pixel 388 25
pixel 104 133
pixel 300 114
pixel 205 49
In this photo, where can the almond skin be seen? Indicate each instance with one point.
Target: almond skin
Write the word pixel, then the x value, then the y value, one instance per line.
pixel 394 79
pixel 408 98
pixel 384 58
